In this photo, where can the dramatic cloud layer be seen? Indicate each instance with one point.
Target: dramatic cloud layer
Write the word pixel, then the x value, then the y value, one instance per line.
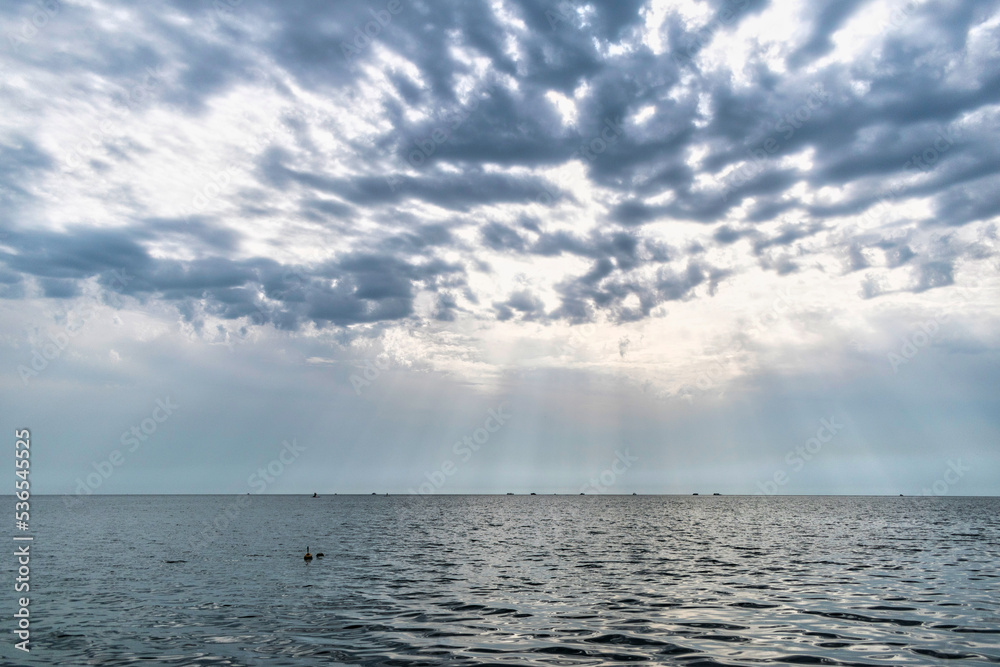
pixel 675 202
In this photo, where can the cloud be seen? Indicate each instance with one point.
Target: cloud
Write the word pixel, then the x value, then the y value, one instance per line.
pixel 496 127
pixel 934 274
pixel 523 302
pixel 827 17
pixel 638 222
pixel 612 164
pixel 498 236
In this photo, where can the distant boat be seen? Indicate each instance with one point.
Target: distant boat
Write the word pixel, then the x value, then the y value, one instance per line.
pixel 533 493
pixel 314 495
pixel 716 494
pixel 509 493
pixel 694 494
pixel 634 493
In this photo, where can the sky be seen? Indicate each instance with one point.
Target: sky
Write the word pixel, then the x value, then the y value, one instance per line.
pixel 740 246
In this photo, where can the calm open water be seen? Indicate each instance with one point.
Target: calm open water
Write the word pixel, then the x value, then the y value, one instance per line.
pixel 516 580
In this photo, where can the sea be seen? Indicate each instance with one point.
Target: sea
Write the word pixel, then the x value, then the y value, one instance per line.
pixel 510 580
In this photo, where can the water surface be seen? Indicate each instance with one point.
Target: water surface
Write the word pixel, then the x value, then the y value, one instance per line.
pixel 525 580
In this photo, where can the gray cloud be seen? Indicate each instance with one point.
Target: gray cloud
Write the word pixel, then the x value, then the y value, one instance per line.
pixel 860 139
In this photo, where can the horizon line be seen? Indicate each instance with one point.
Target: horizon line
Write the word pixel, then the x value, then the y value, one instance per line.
pixel 626 494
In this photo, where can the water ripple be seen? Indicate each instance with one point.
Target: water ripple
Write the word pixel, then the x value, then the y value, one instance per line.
pixel 539 580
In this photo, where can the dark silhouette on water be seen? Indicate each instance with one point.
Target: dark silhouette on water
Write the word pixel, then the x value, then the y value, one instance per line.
pixel 308 557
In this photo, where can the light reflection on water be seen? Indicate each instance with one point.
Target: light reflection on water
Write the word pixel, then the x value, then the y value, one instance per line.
pixel 526 580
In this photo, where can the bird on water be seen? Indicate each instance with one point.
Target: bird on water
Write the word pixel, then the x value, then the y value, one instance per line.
pixel 308 555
